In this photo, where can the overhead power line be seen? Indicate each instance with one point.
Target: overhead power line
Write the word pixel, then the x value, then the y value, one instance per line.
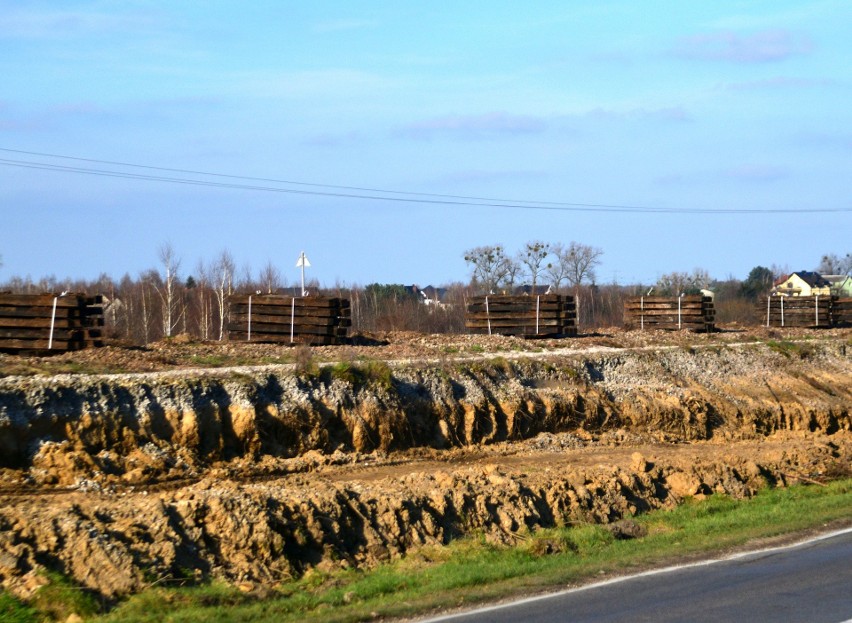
pixel 358 192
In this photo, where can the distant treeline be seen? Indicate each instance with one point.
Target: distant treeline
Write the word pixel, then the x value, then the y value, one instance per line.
pixel 148 308
pixel 165 301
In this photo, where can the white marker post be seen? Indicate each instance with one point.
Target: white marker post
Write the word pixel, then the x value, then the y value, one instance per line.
pixel 302 263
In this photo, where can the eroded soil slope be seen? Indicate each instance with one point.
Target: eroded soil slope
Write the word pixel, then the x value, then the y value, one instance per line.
pixel 255 474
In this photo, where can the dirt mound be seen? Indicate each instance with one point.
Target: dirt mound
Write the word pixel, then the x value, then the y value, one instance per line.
pixel 261 531
pixel 132 428
pixel 255 474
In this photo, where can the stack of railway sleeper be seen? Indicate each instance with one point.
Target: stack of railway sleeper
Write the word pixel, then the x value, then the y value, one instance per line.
pixel 531 316
pixel 841 312
pixel 49 323
pixel 796 311
pixel 691 312
pixel 279 319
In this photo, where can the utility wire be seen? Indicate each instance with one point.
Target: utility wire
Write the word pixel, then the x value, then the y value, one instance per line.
pixel 191 182
pixel 404 197
pixel 315 185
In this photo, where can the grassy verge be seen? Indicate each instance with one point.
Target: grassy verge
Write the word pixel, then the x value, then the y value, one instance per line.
pixel 471 570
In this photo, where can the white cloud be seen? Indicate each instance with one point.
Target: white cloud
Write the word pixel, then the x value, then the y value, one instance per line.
pixel 668 113
pixel 757 173
pixel 475 126
pixel 334 140
pixel 778 83
pixel 33 24
pixel 480 175
pixel 332 83
pixel 760 47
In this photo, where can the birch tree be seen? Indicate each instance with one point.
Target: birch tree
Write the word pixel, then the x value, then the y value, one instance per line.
pixel 223 283
pixel 202 296
pixel 167 291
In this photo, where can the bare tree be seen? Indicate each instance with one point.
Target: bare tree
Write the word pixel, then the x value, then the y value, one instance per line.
pixel 779 271
pixel 167 290
pixel 677 283
pixel 245 281
pixel 125 307
pixel 512 274
pixel 270 278
pixel 701 278
pixel 833 264
pixel 574 264
pixel 557 271
pixel 223 283
pixel 491 267
pixel 203 300
pixel 532 257
pixel 146 283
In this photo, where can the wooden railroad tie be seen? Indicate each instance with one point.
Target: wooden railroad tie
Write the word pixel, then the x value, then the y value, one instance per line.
pixel 288 320
pixel 531 316
pixel 46 323
pixel 692 312
pixel 816 312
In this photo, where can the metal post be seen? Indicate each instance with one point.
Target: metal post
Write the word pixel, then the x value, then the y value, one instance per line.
pixel 302 263
pixel 249 320
pixel 488 315
pixel 292 317
pixel 577 311
pixel 537 308
pixel 768 307
pixel 816 309
pixel 52 324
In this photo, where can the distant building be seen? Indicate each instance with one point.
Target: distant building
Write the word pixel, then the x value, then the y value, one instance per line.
pixel 530 291
pixel 430 295
pixel 434 296
pixel 802 283
pixel 840 285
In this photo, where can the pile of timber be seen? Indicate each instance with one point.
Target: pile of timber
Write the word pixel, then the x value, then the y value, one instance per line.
pixel 49 323
pixel 796 311
pixel 279 319
pixel 841 312
pixel 691 312
pixel 546 315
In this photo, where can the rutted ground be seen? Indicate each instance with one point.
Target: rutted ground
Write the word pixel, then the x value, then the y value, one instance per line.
pixel 254 475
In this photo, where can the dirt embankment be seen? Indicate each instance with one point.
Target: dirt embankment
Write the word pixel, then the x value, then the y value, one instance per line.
pixel 256 475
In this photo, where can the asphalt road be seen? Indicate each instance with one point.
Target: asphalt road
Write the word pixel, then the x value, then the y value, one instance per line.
pixel 810 582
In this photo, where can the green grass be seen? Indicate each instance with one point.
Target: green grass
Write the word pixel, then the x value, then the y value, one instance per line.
pixel 367 373
pixel 14 611
pixel 60 597
pixel 213 361
pixel 790 349
pixel 471 570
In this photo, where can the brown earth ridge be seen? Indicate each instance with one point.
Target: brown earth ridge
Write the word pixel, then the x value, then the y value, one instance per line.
pixel 258 474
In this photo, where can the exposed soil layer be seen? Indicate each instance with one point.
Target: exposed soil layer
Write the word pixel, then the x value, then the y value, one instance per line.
pixel 255 474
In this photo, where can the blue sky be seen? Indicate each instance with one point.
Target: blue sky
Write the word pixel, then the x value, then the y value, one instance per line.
pixel 681 106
